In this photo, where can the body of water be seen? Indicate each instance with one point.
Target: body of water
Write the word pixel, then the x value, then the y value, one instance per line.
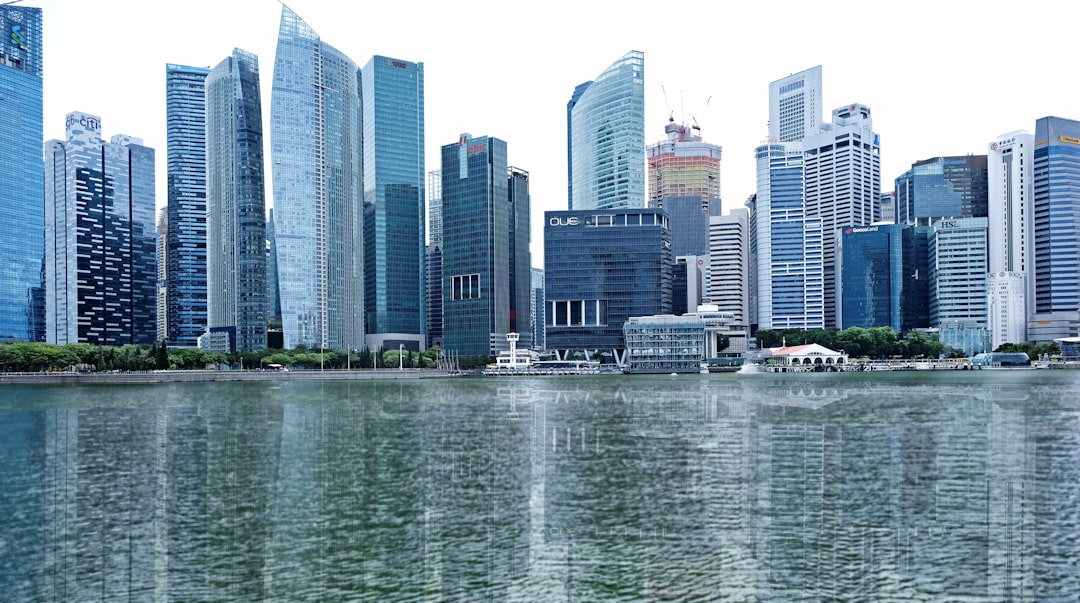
pixel 917 486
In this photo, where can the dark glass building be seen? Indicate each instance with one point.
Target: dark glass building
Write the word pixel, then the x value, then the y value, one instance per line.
pixel 185 248
pixel 885 277
pixel 485 258
pixel 22 214
pixel 942 187
pixel 392 97
pixel 600 268
pixel 100 239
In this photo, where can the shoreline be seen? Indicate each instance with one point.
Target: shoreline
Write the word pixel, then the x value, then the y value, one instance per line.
pixel 197 376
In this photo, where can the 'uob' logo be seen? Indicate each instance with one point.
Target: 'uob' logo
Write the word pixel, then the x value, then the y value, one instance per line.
pixel 17 36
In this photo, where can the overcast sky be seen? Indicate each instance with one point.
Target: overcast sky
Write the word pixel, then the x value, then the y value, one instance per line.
pixel 941 77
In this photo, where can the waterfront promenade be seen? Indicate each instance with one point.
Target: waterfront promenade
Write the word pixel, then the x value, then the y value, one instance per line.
pixel 195 376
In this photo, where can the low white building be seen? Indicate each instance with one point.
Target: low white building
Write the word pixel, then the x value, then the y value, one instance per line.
pixel 809 355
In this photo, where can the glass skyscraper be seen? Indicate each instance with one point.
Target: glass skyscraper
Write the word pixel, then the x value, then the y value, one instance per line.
pixel 885 278
pixel 235 202
pixel 185 254
pixel 22 213
pixel 606 128
pixel 100 239
pixel 942 187
pixel 485 260
pixel 795 106
pixel 315 145
pixel 392 95
pixel 1056 223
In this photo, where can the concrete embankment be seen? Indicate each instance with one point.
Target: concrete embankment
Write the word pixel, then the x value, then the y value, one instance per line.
pixel 206 376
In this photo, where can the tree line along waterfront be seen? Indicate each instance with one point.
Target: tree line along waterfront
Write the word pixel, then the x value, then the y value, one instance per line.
pixel 879 343
pixel 44 357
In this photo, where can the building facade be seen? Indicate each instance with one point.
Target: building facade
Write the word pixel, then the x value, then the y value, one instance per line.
pixel 842 185
pixel 537 308
pixel 1056 229
pixel 664 344
pixel 1009 252
pixel 942 187
pixel 600 268
pixel 795 106
pixel 392 96
pixel 729 264
pixel 100 238
pixel 235 202
pixel 884 277
pixel 684 181
pixel 958 295
pixel 185 254
pixel 22 244
pixel 786 245
pixel 606 130
pixel 482 257
pixel 315 146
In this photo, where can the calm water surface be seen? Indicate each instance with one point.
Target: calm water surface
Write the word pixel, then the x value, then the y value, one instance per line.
pixel 950 486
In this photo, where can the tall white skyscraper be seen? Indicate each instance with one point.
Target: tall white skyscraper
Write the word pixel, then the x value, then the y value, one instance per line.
pixel 795 105
pixel 1009 176
pixel 842 185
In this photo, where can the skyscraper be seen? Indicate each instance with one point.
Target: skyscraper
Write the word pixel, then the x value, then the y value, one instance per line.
pixel 1056 229
pixel 842 185
pixel 392 95
pixel 1009 247
pixel 484 256
pixel 885 277
pixel 684 181
pixel 22 310
pixel 162 273
pixel 795 106
pixel 786 244
pixel 433 261
pixel 606 128
pixel 958 295
pixel 315 144
pixel 729 256
pixel 100 239
pixel 185 254
pixel 235 202
pixel 942 187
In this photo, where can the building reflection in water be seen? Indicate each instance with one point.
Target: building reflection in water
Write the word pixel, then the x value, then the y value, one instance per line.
pixel 546 489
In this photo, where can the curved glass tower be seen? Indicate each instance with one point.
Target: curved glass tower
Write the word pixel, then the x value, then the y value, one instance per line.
pixel 315 146
pixel 235 203
pixel 606 128
pixel 22 176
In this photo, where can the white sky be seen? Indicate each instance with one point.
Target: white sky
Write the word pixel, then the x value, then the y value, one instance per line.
pixel 942 77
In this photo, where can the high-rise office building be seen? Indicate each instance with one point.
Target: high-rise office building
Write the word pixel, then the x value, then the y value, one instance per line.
pixel 600 268
pixel 483 254
pixel 392 95
pixel 22 214
pixel 100 238
pixel 1009 250
pixel 884 277
pixel 684 181
pixel 729 259
pixel 315 146
pixel 273 295
pixel 236 202
pixel 958 296
pixel 795 106
pixel 606 131
pixel 786 245
pixel 538 308
pixel 942 187
pixel 842 185
pixel 185 254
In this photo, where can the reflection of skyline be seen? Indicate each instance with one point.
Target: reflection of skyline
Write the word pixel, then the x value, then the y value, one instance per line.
pixel 548 489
